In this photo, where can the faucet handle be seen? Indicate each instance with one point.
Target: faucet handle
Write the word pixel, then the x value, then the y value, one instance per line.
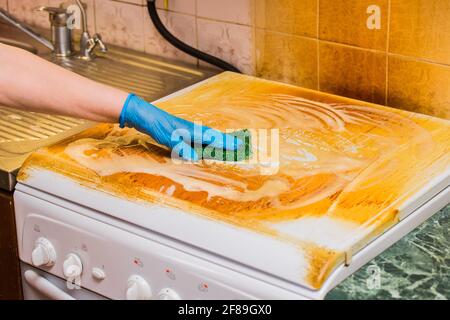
pixel 58 16
pixel 51 9
pixel 98 39
pixel 95 40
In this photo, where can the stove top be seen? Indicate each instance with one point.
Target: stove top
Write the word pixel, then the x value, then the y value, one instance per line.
pixel 346 171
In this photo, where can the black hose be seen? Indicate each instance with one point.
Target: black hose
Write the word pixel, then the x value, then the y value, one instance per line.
pixel 151 5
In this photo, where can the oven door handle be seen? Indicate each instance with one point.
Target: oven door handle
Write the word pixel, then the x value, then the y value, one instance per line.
pixel 45 287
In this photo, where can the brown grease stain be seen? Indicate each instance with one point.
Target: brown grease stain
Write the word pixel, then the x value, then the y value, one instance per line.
pixel 322 263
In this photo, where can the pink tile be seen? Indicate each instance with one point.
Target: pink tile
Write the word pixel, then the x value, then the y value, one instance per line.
pixel 181 25
pixel 57 3
pixel 140 2
pixel 181 6
pixel 90 11
pixel 24 10
pixel 230 42
pixel 4 4
pixel 237 11
pixel 120 23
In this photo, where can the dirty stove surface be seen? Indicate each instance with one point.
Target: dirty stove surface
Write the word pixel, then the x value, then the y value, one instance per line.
pixel 347 172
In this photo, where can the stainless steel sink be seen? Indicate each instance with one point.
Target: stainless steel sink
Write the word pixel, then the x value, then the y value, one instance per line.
pixel 19 44
pixel 148 76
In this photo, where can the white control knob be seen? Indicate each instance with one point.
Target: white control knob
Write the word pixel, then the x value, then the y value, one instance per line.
pixel 72 266
pixel 44 254
pixel 168 294
pixel 138 289
pixel 98 273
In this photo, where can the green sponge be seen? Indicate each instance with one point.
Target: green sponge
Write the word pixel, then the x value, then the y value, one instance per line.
pixel 243 153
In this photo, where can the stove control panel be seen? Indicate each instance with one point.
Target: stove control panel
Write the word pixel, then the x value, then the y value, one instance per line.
pixel 117 263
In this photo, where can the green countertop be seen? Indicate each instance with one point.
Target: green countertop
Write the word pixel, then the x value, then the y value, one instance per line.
pixel 416 267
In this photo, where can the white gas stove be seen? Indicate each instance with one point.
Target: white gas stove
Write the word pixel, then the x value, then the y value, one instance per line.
pixel 111 238
pixel 121 260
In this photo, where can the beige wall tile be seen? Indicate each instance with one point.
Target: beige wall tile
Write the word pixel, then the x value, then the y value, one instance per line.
pixel 287 58
pixel 57 3
pixel 24 11
pixel 419 86
pixel 139 2
pixel 352 72
pixel 237 11
pixel 181 25
pixel 421 28
pixel 230 42
pixel 120 23
pixel 287 16
pixel 181 6
pixel 345 21
pixel 90 11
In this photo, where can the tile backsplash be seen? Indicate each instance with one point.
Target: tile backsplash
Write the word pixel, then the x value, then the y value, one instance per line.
pixel 352 72
pixel 120 23
pixel 277 57
pixel 183 26
pixel 346 22
pixel 394 52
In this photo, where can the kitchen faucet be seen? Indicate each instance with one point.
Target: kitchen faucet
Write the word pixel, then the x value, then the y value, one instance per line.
pixel 61 33
pixel 88 43
pixel 61 44
pixel 25 29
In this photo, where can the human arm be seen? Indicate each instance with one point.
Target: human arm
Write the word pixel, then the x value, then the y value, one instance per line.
pixel 31 83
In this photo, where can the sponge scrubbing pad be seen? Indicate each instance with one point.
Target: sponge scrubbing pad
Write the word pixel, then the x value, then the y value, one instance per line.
pixel 244 152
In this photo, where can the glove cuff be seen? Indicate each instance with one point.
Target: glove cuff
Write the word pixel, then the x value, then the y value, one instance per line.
pixel 122 117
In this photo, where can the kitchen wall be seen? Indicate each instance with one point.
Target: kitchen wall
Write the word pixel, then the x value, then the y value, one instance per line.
pixel 394 52
pixel 401 59
pixel 222 28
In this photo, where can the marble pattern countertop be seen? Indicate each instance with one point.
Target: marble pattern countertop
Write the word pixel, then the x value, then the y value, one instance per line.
pixel 416 267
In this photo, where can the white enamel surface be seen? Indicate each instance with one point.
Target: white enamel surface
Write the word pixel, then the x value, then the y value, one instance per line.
pixel 238 244
pixel 325 231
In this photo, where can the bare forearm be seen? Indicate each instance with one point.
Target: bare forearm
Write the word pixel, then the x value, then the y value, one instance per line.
pixel 30 83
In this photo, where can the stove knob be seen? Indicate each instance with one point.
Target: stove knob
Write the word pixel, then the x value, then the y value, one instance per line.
pixel 44 254
pixel 168 294
pixel 72 266
pixel 138 289
pixel 98 274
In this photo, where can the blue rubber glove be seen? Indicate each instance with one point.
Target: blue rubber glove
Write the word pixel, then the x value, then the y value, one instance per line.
pixel 173 132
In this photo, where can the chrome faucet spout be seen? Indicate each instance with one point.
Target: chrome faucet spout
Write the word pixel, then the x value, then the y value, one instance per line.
pixel 83 16
pixel 88 43
pixel 25 29
pixel 61 44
